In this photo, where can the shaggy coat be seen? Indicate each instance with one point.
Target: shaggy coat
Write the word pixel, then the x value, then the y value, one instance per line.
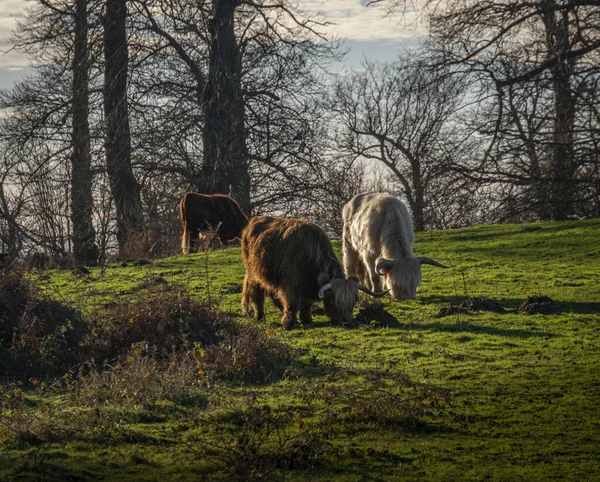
pixel 199 212
pixel 377 243
pixel 293 262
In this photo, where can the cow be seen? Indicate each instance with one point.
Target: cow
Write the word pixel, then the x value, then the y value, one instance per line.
pixel 377 243
pixel 293 262
pixel 198 212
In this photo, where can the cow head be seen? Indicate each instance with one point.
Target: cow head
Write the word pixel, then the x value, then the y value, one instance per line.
pixel 339 296
pixel 402 276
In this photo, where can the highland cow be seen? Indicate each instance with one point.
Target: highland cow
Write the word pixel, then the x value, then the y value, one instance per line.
pixel 199 212
pixel 377 243
pixel 293 262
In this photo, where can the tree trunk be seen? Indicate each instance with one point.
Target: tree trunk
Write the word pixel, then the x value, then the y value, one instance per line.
pixel 84 246
pixel 418 198
pixel 562 167
pixel 418 211
pixel 124 187
pixel 225 168
pixel 11 242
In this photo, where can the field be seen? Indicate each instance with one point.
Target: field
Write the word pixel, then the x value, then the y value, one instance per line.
pixel 405 395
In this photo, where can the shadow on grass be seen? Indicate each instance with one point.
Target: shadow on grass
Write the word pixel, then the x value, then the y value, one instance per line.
pixel 377 317
pixel 513 230
pixel 581 308
pixel 28 468
pixel 462 327
pixel 511 304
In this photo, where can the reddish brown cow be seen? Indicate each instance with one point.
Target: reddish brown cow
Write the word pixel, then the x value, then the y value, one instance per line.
pixel 198 212
pixel 293 262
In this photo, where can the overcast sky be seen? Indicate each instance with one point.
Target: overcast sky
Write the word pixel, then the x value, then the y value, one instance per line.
pixel 366 31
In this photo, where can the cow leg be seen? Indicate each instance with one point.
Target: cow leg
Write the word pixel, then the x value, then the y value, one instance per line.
pixel 245 295
pixel 290 312
pixel 277 302
pixel 351 259
pixel 253 294
pixel 185 241
pixel 305 314
pixel 362 273
pixel 258 302
pixel 194 240
pixel 289 319
pixel 373 276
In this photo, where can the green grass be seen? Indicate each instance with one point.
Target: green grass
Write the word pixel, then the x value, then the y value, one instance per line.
pixel 508 396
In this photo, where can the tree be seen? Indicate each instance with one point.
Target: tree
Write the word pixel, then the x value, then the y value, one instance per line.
pixel 225 167
pixel 550 44
pixel 47 132
pixel 403 116
pixel 84 247
pixel 244 64
pixel 124 186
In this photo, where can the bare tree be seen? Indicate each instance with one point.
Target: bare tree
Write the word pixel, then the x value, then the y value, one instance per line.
pixel 403 116
pixel 236 68
pixel 268 132
pixel 84 247
pixel 124 186
pixel 225 167
pixel 47 132
pixel 547 43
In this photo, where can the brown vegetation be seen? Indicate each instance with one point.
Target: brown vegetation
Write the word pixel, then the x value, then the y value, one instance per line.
pixel 42 338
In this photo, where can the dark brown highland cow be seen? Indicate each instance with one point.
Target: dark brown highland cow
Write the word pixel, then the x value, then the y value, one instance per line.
pixel 293 262
pixel 198 212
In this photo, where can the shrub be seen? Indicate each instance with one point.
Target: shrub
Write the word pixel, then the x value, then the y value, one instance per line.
pixel 41 338
pixel 38 336
pixel 168 322
pixel 259 443
pixel 165 317
pixel 245 353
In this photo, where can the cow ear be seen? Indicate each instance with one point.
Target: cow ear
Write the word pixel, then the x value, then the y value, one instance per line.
pixel 323 279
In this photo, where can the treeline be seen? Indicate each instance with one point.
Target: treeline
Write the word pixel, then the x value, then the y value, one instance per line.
pixel 495 118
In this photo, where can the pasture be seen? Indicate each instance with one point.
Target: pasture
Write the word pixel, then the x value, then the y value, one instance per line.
pixel 404 395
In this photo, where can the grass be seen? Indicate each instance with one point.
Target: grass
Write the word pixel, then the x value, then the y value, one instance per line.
pixel 500 396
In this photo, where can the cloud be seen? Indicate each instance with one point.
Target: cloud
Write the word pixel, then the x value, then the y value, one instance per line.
pixel 11 8
pixel 10 11
pixel 352 20
pixel 10 75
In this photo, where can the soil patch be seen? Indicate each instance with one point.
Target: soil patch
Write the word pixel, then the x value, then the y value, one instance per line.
pixel 539 305
pixel 376 316
pixel 482 304
pixel 472 304
pixel 452 310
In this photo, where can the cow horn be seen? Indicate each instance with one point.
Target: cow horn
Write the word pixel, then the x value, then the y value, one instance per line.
pixel 384 263
pixel 324 288
pixel 369 292
pixel 424 260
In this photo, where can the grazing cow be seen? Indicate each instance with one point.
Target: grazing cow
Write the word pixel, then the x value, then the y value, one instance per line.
pixel 198 212
pixel 377 241
pixel 293 262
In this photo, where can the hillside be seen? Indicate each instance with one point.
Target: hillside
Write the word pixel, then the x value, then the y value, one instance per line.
pixel 406 395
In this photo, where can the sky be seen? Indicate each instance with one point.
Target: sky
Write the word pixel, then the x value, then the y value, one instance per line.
pixel 366 31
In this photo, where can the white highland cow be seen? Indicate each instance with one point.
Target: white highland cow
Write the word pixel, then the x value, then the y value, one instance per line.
pixel 377 243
